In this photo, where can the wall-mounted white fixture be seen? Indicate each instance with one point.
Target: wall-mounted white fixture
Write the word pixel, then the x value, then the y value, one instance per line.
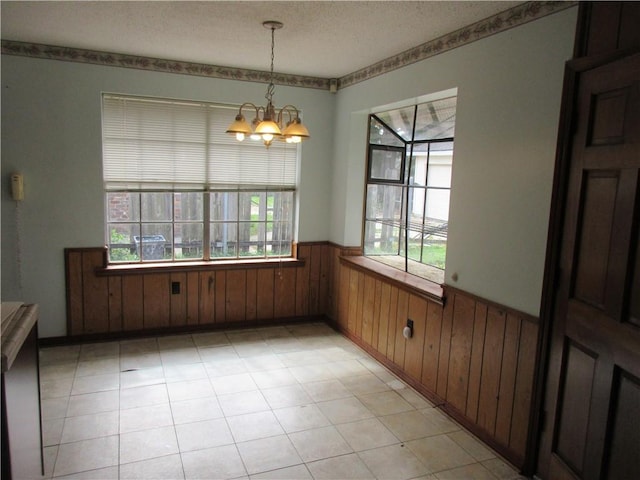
pixel 407 332
pixel 17 186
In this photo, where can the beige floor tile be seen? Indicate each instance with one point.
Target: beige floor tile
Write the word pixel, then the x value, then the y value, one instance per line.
pixel 338 354
pixel 107 473
pixel 195 410
pixel 268 454
pixel 302 357
pixel 180 356
pixel 251 349
pixel 363 384
pixel 439 421
pixel 254 425
pixel 218 354
pixel 93 403
pixel 139 361
pixel 242 382
pixel 184 372
pixel 410 425
pixel 138 345
pixel 49 455
pixel 312 373
pixel 175 342
pixel 439 453
pixel 55 388
pixel 99 366
pixel 54 407
pixel 145 418
pixel 367 434
pixel 86 427
pixel 222 368
pixel 244 336
pixel 474 471
pixel 58 355
pixel 143 396
pixel 204 434
pixel 284 345
pixel 244 402
pixel 146 444
pixel 190 389
pixel 273 378
pixel 385 403
pixel 340 468
pixel 95 383
pixel 168 467
pixel 210 339
pixel 415 399
pixel 347 368
pixel 142 377
pixel 52 431
pixel 225 461
pixel 297 472
pixel 319 443
pixel 301 417
pixel 287 396
pixel 345 410
pixel 376 368
pixel 394 462
pixel 54 371
pixel 254 403
pixel 87 455
pixel 326 390
pixel 472 446
pixel 260 363
pixel 501 469
pixel 92 351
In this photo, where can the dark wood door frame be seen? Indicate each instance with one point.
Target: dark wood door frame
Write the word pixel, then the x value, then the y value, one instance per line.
pixel 538 421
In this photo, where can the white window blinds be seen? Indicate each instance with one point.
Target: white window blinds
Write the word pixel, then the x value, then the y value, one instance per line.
pixel 150 144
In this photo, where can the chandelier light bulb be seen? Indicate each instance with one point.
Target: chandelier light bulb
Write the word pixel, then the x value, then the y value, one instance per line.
pixel 240 136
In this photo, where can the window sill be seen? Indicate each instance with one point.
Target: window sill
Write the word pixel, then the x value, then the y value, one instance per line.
pixel 170 267
pixel 417 285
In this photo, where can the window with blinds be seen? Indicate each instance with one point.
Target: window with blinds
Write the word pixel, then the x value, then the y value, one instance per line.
pixel 178 188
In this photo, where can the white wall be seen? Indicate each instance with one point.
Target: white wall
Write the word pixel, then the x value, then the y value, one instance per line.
pixel 51 132
pixel 509 90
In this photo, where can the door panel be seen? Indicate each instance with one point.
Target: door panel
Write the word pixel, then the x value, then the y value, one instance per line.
pixel 593 393
pixel 625 434
pixel 573 414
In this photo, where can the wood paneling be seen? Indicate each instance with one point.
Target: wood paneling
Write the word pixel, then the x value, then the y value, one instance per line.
pixel 180 296
pixel 132 306
pixel 472 357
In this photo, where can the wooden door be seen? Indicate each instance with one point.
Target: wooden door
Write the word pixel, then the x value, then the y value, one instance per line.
pixel 592 406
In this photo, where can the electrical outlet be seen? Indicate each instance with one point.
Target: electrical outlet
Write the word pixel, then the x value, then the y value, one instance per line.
pixel 410 323
pixel 175 288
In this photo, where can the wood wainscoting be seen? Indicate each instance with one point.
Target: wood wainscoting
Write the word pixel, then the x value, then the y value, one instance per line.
pixel 126 299
pixel 471 357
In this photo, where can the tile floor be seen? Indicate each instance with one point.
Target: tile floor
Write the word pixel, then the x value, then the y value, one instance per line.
pixel 290 402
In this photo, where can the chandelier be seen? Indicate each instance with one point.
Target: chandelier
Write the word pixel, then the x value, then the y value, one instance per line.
pixel 267 124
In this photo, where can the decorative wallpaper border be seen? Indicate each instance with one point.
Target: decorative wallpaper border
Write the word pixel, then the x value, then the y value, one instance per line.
pixel 498 23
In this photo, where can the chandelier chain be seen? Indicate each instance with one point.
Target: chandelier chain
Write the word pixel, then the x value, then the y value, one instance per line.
pixel 271 88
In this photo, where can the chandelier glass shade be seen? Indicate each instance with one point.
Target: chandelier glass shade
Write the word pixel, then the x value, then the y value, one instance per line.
pixel 269 123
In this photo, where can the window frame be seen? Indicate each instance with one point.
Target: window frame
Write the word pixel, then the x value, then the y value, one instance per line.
pixel 264 250
pixel 408 185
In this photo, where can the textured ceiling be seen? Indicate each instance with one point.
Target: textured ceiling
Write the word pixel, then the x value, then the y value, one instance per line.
pixel 321 39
